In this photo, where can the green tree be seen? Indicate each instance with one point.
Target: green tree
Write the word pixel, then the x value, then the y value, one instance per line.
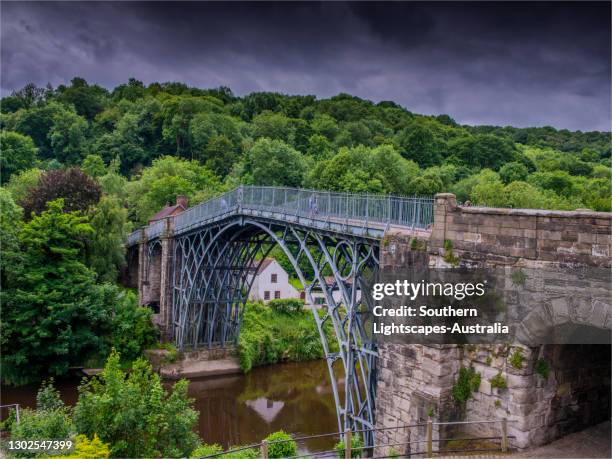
pixel 326 126
pixel 420 143
pixel 483 150
pixel 488 183
pixel 10 227
pixel 112 182
pixel 275 126
pixel 53 314
pixel 18 154
pixel 163 181
pixel 204 126
pixel 88 100
pixel 319 147
pixel 132 328
pixel 105 249
pixel 21 183
pixel 94 165
pixel 220 154
pixel 513 172
pixel 560 182
pixel 68 137
pixel 135 414
pixel 274 163
pixel 363 169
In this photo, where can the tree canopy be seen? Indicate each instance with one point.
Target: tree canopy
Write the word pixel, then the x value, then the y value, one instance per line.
pixel 277 139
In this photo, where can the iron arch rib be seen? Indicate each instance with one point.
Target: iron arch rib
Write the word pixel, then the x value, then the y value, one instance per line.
pixel 212 272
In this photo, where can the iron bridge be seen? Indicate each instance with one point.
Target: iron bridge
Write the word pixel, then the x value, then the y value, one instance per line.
pixel 332 241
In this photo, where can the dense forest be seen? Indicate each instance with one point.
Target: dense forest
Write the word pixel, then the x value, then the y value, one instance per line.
pixel 145 144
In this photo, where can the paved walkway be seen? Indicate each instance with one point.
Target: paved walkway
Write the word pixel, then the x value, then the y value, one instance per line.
pixel 590 443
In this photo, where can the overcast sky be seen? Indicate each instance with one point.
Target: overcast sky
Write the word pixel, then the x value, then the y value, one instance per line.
pixel 522 64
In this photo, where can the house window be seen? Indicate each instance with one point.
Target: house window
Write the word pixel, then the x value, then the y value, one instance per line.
pixel 274 278
pixel 302 295
pixel 277 295
pixel 266 295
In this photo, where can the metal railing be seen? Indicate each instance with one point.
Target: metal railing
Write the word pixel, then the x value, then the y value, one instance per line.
pixel 15 407
pixel 387 450
pixel 349 208
pixel 134 237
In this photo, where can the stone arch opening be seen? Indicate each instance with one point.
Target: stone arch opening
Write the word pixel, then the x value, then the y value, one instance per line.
pixel 577 391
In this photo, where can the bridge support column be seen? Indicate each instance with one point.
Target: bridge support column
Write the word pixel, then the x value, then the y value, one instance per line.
pixel 165 291
pixel 414 381
pixel 414 386
pixel 445 204
pixel 142 267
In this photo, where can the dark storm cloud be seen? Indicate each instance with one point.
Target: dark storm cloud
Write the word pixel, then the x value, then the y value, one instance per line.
pixel 482 63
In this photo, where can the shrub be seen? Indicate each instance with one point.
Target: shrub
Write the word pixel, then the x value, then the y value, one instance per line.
pixel 50 420
pixel 135 414
pixel 449 255
pixel 286 305
pixel 543 368
pixel 518 277
pixel 498 382
pixel 205 450
pixel 84 448
pixel 356 447
pixel 132 329
pixel 48 397
pixel 287 448
pixel 468 382
pixel 517 358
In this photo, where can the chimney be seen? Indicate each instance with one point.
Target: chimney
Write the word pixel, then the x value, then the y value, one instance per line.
pixel 181 201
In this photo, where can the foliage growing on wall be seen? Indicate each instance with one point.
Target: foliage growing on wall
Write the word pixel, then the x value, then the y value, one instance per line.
pixel 467 382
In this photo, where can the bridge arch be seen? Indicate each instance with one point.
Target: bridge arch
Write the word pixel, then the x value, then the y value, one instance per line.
pixel 212 272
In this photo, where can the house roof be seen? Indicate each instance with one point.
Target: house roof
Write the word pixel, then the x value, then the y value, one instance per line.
pixel 264 264
pixel 167 211
pixel 331 280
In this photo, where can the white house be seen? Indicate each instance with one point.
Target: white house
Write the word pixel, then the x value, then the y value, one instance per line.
pixel 319 297
pixel 271 282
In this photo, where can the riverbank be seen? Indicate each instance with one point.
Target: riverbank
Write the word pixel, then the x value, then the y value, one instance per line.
pixel 277 332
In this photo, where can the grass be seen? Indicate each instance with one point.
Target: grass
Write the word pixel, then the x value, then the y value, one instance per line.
pixel 296 283
pixel 271 336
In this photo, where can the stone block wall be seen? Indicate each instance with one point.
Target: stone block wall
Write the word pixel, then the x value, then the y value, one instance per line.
pixel 414 385
pixel 540 405
pixel 508 235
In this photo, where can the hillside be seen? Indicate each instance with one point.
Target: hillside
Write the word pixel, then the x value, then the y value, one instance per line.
pixel 146 144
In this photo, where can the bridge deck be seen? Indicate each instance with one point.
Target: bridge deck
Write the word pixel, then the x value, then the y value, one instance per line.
pixel 358 214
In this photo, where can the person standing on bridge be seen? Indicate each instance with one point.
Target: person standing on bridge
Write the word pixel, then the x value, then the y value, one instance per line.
pixel 312 204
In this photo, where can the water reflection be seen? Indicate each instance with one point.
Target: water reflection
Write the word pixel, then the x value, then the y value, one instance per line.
pixel 294 397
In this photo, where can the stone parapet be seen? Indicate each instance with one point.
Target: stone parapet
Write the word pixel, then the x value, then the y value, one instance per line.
pixel 504 236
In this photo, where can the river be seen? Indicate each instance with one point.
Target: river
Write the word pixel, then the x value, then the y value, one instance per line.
pixel 244 409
